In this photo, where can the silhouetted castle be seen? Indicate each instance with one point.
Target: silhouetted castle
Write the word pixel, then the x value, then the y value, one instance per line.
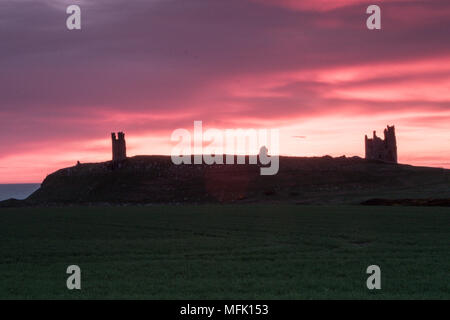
pixel 119 149
pixel 385 150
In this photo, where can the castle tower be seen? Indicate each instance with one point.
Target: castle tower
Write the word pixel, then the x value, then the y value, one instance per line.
pixel 384 150
pixel 391 144
pixel 119 149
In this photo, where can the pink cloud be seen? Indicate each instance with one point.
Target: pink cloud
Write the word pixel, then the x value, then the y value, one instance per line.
pixel 148 69
pixel 322 5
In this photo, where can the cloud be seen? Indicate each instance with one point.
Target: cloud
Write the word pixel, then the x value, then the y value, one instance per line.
pixel 149 67
pixel 331 5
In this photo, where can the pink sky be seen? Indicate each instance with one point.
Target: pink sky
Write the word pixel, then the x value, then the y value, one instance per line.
pixel 309 68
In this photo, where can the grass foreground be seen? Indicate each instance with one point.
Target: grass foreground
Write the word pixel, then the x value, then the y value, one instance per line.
pixel 225 252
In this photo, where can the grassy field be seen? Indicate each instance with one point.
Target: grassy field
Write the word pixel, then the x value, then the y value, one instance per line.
pixel 226 252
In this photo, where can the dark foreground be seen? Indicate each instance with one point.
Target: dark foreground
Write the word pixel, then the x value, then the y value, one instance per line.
pixel 225 252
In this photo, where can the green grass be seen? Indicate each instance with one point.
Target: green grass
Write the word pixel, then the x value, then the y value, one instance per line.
pixel 225 252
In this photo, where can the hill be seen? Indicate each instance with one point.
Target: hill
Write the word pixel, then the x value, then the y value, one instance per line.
pixel 317 180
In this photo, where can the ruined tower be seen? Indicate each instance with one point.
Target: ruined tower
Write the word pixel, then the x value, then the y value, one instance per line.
pixel 119 149
pixel 384 150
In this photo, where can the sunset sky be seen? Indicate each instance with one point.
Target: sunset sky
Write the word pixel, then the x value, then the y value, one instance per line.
pixel 309 68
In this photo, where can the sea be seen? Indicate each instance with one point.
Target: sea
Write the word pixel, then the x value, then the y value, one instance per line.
pixel 17 191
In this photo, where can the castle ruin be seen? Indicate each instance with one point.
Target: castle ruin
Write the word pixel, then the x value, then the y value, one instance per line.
pixel 384 150
pixel 119 149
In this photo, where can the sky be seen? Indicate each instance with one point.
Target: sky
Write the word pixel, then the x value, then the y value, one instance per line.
pixel 309 68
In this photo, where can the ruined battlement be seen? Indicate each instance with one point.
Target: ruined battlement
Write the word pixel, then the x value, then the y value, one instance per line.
pixel 379 149
pixel 119 149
